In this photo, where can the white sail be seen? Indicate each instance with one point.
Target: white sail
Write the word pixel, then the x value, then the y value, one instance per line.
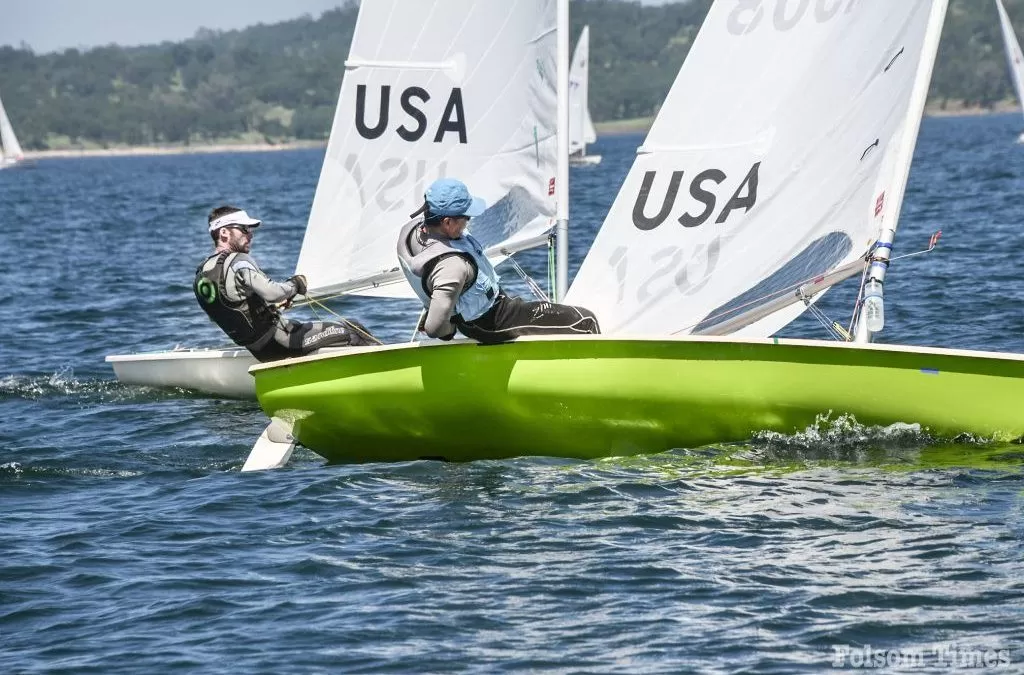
pixel 460 88
pixel 778 156
pixel 581 127
pixel 1014 57
pixel 589 132
pixel 10 149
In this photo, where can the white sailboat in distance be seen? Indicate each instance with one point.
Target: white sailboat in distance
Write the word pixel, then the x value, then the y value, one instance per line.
pixel 581 126
pixel 10 149
pixel 1014 57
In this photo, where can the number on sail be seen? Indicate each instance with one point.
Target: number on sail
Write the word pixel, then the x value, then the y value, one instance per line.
pixel 401 182
pixel 748 15
pixel 689 274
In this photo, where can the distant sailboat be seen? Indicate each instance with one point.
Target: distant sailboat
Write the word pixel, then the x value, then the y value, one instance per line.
pixel 581 127
pixel 10 149
pixel 1014 57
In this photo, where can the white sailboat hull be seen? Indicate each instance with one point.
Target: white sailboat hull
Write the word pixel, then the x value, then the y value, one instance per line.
pixel 218 372
pixel 215 372
pixel 584 160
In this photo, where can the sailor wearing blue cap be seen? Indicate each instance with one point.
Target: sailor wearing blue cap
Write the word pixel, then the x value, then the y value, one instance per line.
pixel 459 287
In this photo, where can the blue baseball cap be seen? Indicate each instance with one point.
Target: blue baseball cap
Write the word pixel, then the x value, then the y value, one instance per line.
pixel 450 197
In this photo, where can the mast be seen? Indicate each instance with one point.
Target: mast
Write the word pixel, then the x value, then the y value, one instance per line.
pixel 562 170
pixel 904 154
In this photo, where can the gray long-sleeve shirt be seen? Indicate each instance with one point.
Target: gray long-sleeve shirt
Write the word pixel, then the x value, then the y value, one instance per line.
pixel 245 278
pixel 445 284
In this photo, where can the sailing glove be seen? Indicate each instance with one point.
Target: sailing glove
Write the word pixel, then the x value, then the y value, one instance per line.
pixel 299 281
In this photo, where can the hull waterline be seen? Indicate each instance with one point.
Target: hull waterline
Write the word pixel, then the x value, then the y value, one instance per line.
pixel 597 396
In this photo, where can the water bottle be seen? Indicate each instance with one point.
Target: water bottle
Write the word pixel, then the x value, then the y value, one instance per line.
pixel 874 307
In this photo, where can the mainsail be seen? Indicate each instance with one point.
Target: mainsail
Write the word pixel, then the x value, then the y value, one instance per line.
pixel 581 127
pixel 780 155
pixel 457 88
pixel 10 149
pixel 1014 57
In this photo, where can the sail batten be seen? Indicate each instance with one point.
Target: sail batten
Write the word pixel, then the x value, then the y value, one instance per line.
pixel 412 65
pixel 779 155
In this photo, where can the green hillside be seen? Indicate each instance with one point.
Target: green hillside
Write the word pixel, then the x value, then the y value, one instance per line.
pixel 281 81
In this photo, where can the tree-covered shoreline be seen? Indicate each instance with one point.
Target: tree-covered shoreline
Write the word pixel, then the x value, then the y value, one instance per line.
pixel 279 82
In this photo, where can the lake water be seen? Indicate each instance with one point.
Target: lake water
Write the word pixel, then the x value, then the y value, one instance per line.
pixel 131 542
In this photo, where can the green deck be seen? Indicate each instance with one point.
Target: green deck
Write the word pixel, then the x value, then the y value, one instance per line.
pixel 601 396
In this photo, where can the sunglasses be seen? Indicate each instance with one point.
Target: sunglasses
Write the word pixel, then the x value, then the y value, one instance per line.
pixel 244 228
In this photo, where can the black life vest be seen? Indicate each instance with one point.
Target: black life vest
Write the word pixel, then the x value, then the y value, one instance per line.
pixel 245 321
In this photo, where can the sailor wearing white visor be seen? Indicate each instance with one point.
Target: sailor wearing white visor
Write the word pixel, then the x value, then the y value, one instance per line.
pixel 237 296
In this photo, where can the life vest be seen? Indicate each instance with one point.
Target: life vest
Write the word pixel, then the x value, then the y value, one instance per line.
pixel 245 321
pixel 419 255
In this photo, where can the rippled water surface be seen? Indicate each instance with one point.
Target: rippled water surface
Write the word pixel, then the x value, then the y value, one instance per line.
pixel 131 542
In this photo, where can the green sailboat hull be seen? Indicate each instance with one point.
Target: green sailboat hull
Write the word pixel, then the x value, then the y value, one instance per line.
pixel 597 396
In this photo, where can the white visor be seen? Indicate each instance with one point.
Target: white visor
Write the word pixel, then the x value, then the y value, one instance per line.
pixel 234 218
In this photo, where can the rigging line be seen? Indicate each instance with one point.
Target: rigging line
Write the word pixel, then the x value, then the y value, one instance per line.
pixel 860 290
pixel 419 322
pixel 821 320
pixel 825 320
pixel 534 287
pixel 552 272
pixel 312 308
pixel 344 294
pixel 932 243
pixel 351 326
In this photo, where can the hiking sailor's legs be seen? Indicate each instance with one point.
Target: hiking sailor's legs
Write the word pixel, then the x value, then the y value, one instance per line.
pixel 513 317
pixel 292 338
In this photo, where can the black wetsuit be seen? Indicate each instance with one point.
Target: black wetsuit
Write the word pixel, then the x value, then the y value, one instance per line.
pixel 448 273
pixel 512 317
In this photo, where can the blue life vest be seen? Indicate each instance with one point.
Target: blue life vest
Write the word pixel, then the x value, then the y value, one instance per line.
pixel 419 252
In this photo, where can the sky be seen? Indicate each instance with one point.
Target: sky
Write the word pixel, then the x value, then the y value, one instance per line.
pixel 51 25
